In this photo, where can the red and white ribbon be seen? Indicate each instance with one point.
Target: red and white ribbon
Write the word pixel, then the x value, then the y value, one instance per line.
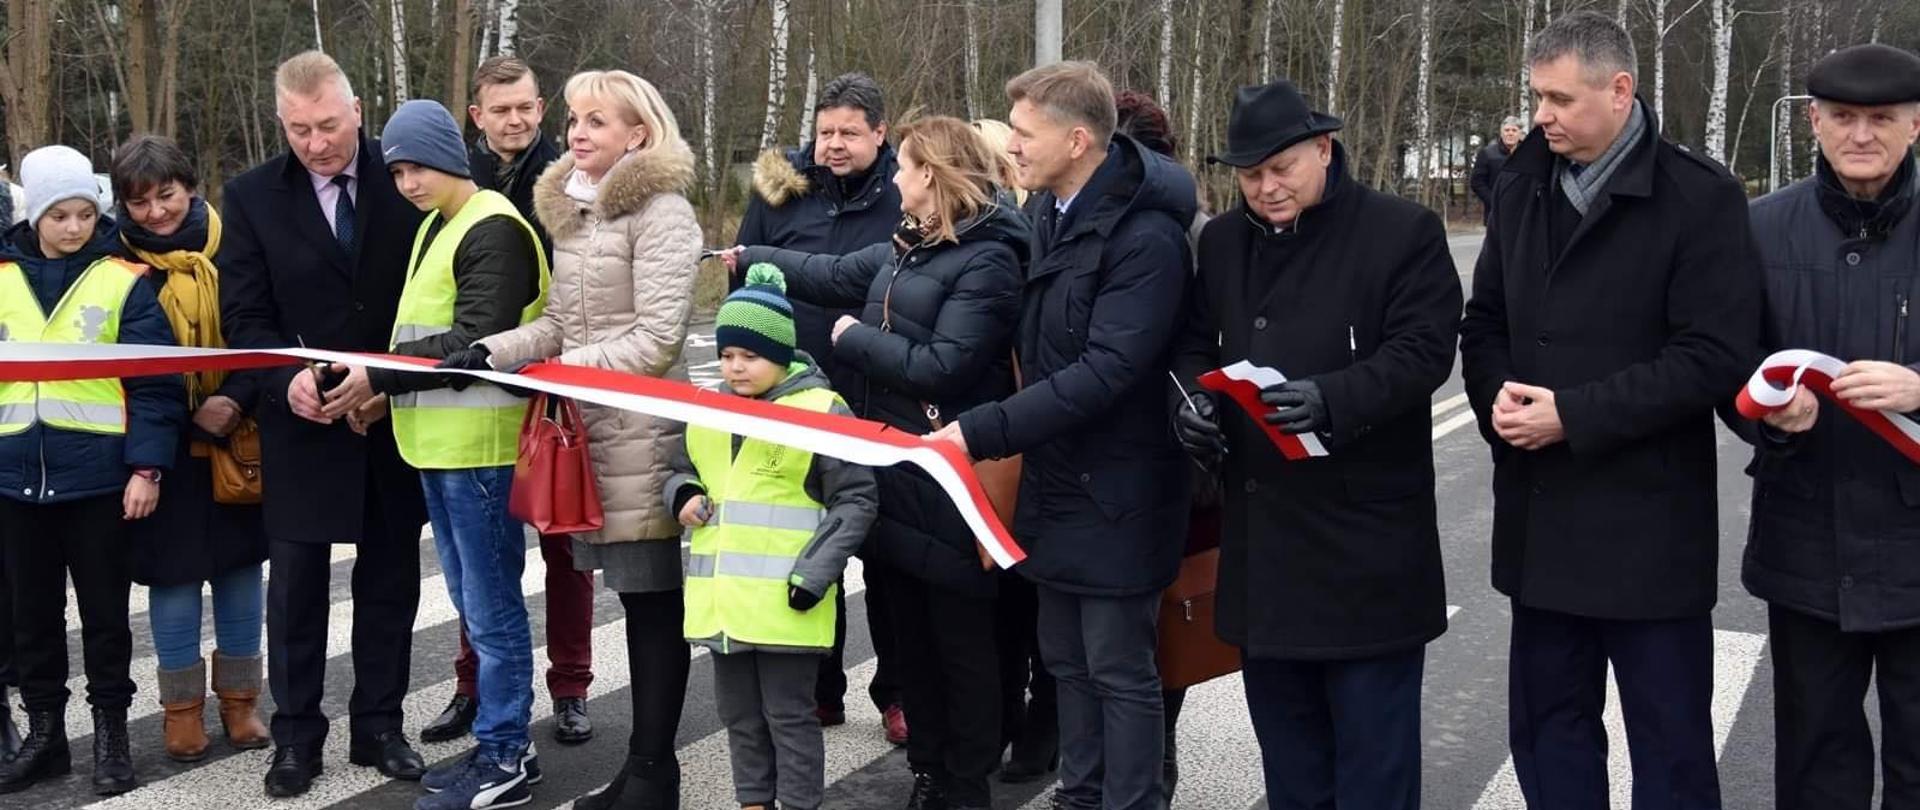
pixel 1242 382
pixel 855 440
pixel 1783 372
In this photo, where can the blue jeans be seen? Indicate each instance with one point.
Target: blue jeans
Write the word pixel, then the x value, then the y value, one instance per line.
pixel 174 611
pixel 482 555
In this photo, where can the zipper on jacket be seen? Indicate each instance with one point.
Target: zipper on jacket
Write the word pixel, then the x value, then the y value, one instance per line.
pixel 1900 330
pixel 825 531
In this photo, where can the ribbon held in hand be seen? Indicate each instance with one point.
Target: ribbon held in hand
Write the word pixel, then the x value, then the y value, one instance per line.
pixel 844 437
pixel 1772 387
pixel 1242 382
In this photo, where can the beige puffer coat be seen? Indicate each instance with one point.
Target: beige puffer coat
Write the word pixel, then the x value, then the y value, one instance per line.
pixel 623 271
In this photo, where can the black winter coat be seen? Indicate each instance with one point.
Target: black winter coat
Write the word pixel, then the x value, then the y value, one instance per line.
pixel 1836 510
pixel 1646 321
pixel 1337 557
pixel 518 187
pixel 1104 493
pixel 1486 167
pixel 935 335
pixel 284 280
pixel 800 205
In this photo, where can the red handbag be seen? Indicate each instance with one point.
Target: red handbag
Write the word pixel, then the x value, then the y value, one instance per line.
pixel 553 486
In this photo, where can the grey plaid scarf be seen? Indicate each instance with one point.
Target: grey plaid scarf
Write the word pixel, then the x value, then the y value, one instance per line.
pixel 1586 184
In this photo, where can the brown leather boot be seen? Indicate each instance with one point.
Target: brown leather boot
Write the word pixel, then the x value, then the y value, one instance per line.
pixel 236 680
pixel 183 693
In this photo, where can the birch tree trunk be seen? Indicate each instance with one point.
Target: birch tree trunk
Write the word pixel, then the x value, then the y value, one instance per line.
pixel 1333 56
pixel 1165 87
pixel 1423 104
pixel 1660 61
pixel 1526 70
pixel 487 18
pixel 317 44
pixel 1193 93
pixel 1722 31
pixel 1266 41
pixel 507 26
pixel 1783 127
pixel 776 75
pixel 397 49
pixel 1620 13
pixel 709 83
pixel 813 89
pixel 972 65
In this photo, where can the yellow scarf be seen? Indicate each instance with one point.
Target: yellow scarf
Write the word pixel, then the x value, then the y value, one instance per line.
pixel 191 298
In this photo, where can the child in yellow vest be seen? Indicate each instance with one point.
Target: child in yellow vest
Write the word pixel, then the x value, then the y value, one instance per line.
pixel 772 527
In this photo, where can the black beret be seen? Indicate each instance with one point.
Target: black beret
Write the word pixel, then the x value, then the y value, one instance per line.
pixel 1866 75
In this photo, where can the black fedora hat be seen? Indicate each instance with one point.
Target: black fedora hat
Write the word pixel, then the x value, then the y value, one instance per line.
pixel 1267 118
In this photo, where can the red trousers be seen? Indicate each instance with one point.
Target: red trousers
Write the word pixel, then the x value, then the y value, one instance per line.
pixel 569 626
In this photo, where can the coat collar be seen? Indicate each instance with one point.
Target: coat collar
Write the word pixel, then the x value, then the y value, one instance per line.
pixel 1634 178
pixel 627 188
pixel 296 184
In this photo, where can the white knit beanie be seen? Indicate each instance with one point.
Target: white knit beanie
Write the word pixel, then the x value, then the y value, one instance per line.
pixel 55 174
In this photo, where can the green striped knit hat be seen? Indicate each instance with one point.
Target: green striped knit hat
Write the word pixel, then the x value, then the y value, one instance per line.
pixel 757 317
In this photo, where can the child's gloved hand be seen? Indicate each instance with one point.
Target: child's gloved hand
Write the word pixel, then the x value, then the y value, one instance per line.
pixel 801 599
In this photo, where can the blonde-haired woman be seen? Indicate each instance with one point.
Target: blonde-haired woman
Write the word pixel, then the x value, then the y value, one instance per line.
pixel 941 302
pixel 997 134
pixel 625 248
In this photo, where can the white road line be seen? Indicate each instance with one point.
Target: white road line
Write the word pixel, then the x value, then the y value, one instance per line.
pixel 1448 404
pixel 1735 655
pixel 435 608
pixel 1453 423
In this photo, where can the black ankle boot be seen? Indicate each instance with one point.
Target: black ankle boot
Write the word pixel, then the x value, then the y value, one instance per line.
pixel 43 752
pixel 9 733
pixel 112 763
pixel 610 797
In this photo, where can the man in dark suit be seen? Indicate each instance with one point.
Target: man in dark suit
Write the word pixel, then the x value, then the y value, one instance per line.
pixel 1616 302
pixel 316 251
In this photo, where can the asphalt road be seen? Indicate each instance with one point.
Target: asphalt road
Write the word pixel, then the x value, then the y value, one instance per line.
pixel 1466 763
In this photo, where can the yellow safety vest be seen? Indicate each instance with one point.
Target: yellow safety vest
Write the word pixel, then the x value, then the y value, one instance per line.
pixel 742 560
pixel 89 312
pixel 444 429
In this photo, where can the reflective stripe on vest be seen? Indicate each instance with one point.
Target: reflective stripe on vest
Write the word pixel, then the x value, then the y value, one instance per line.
pixel 444 429
pixel 89 312
pixel 742 561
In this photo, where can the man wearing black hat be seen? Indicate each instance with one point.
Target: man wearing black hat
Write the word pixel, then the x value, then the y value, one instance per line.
pixel 1615 304
pixel 1834 547
pixel 1330 579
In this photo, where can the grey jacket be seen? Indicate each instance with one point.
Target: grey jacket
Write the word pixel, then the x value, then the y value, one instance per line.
pixel 848 491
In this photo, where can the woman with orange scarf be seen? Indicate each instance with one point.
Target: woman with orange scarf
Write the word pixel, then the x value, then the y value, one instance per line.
pixel 193 537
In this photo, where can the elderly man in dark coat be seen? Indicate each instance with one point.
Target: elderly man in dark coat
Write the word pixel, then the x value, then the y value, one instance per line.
pixel 1834 546
pixel 1330 579
pixel 315 243
pixel 1615 304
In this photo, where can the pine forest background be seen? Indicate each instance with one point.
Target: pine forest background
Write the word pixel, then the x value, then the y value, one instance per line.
pixel 1421 83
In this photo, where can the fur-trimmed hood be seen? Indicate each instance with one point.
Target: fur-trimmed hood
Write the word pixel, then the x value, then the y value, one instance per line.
pixel 626 188
pixel 776 179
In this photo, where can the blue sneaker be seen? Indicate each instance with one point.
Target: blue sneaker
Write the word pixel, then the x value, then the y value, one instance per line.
pixel 489 782
pixel 444 775
pixel 440 777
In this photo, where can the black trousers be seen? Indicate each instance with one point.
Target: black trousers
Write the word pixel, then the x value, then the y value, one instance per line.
pixel 386 596
pixel 1100 650
pixel 952 686
pixel 44 544
pixel 1016 631
pixel 1557 689
pixel 1823 752
pixel 830 690
pixel 658 660
pixel 1338 734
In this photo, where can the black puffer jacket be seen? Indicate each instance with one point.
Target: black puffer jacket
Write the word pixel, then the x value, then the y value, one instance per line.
pixel 935 337
pixel 1104 494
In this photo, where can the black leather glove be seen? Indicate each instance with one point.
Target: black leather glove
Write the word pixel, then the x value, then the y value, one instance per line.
pixel 1198 429
pixel 471 358
pixel 1302 409
pixel 801 599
